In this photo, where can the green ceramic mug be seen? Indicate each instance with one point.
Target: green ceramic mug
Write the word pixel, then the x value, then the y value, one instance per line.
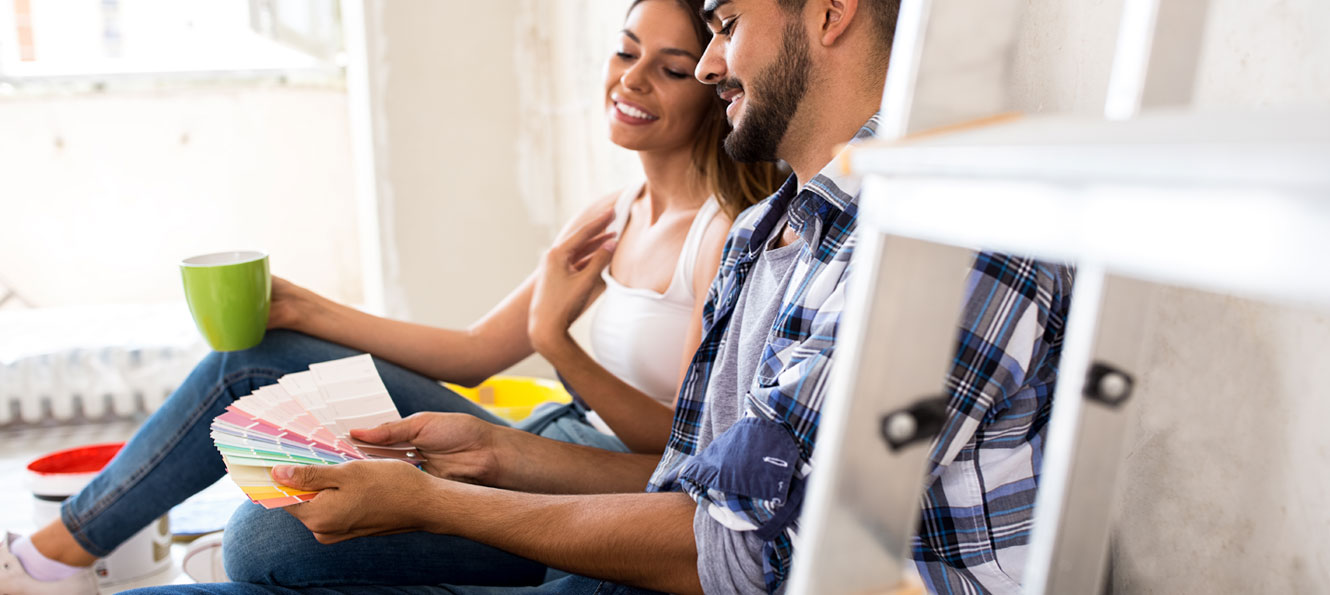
pixel 228 294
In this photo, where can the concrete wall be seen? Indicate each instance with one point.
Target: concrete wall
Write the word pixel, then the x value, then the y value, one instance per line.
pixel 488 133
pixel 444 108
pixel 1226 475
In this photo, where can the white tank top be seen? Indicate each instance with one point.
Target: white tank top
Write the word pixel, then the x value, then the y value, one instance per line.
pixel 638 334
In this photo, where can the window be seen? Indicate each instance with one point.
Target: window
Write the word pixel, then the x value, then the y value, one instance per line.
pixel 46 40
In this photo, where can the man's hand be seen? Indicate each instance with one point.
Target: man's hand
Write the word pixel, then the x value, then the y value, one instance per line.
pixel 455 445
pixel 360 498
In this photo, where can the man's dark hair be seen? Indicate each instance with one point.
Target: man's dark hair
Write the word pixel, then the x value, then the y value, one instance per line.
pixel 883 13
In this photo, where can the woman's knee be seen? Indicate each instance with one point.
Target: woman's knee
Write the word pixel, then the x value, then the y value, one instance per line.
pixel 281 351
pixel 277 344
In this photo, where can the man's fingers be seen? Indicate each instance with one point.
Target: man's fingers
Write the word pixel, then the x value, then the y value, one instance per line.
pixel 393 432
pixel 307 477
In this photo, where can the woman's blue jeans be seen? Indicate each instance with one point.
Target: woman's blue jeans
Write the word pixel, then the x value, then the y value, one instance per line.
pixel 172 457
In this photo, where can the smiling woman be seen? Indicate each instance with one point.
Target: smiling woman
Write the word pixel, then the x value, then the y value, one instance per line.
pixel 666 62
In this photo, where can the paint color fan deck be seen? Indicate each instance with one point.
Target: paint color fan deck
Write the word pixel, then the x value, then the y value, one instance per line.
pixel 305 419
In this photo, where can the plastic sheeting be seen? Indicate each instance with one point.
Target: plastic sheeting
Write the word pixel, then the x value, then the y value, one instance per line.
pixel 93 362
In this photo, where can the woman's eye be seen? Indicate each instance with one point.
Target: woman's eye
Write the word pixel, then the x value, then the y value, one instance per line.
pixel 676 74
pixel 624 55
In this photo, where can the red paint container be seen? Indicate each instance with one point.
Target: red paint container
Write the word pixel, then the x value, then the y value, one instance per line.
pixel 61 474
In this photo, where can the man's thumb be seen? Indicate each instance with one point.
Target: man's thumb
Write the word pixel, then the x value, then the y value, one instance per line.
pixel 305 477
pixel 392 432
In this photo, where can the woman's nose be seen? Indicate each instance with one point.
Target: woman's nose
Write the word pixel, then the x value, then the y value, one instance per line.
pixel 634 78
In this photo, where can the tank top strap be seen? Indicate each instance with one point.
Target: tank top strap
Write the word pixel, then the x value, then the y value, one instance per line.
pixel 692 243
pixel 622 204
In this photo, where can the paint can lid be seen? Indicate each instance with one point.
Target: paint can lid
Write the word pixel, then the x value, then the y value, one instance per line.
pixel 64 472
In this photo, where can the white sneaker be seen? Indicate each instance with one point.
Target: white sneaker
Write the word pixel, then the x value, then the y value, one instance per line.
pixel 203 560
pixel 14 580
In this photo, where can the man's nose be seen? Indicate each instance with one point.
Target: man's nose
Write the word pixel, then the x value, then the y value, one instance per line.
pixel 711 68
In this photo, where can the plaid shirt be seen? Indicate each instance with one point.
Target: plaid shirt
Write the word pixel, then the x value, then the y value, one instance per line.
pixel 752 476
pixel 974 530
pixel 782 407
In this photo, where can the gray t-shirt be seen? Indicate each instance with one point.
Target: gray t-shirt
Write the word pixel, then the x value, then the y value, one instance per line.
pixel 731 561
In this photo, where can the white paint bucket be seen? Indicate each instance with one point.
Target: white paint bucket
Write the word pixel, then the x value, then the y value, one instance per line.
pixel 61 474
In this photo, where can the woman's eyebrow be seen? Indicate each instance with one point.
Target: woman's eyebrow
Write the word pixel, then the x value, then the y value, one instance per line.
pixel 670 51
pixel 680 52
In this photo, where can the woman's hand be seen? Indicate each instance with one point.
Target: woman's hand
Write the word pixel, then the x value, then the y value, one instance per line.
pixel 291 305
pixel 565 280
pixel 456 446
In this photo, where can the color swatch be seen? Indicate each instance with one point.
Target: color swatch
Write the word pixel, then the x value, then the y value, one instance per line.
pixel 305 419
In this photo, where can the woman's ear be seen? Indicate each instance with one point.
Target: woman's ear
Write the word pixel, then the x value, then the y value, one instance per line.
pixel 835 19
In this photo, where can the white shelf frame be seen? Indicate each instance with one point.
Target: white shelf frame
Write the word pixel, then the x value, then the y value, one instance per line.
pixel 1231 203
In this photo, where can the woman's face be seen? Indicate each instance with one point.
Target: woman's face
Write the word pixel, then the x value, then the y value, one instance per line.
pixel 651 98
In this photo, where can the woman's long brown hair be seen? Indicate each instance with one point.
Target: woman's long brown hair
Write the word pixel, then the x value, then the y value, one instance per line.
pixel 736 186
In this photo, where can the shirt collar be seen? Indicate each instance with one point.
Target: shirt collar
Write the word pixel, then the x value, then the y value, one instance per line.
pixel 835 187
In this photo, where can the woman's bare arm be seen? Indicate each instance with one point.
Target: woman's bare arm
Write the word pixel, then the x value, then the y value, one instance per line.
pixel 492 344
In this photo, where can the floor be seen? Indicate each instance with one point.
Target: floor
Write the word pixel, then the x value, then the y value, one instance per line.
pixel 18 447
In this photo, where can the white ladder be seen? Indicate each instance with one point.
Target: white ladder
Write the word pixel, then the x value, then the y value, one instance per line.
pixel 1055 188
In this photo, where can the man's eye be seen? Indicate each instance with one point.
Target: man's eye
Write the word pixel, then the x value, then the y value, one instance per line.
pixel 727 27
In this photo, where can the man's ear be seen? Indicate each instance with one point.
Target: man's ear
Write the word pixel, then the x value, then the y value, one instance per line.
pixel 835 19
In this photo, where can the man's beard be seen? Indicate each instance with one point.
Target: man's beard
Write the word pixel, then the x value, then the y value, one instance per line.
pixel 782 85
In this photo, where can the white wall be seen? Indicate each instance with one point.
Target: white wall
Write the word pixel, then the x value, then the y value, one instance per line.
pixel 443 103
pixel 101 194
pixel 1226 475
pixel 488 133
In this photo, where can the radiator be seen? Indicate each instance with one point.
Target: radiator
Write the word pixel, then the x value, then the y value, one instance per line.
pixel 78 364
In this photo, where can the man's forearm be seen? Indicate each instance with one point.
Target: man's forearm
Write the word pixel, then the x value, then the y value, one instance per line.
pixel 531 463
pixel 643 540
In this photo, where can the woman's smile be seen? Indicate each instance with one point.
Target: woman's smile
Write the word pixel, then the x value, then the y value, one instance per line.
pixel 630 113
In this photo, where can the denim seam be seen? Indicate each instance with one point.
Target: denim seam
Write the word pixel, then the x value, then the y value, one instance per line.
pixel 76 525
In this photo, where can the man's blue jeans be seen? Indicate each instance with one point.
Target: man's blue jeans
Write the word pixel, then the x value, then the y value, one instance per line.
pixel 172 457
pixel 570 585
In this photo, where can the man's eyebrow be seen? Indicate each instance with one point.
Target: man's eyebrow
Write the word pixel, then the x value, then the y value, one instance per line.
pixel 710 7
pixel 670 51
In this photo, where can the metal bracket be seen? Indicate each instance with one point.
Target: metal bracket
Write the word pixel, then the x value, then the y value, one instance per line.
pixel 920 421
pixel 1108 385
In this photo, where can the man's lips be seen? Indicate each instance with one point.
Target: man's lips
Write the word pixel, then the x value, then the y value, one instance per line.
pixel 732 93
pixel 729 90
pixel 735 98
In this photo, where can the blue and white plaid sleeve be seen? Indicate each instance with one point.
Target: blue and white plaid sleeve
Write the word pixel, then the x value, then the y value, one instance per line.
pixel 978 510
